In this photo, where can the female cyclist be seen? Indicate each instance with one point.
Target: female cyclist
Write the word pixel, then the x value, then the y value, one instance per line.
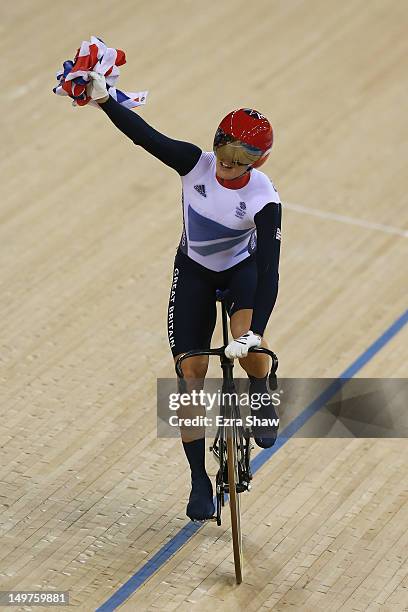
pixel 230 240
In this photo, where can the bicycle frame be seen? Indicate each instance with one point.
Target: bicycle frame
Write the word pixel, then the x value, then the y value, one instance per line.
pixel 228 387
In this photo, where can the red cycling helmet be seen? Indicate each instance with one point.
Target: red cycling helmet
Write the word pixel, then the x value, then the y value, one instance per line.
pixel 244 137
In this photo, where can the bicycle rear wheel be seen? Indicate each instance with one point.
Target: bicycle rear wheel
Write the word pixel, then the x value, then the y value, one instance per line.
pixel 234 501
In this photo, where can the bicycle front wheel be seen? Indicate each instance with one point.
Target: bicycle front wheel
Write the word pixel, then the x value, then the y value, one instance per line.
pixel 235 509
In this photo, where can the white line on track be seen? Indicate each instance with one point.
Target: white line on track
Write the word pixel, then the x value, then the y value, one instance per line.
pixel 323 214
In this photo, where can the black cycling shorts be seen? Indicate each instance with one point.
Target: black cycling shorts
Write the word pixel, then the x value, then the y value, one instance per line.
pixel 192 309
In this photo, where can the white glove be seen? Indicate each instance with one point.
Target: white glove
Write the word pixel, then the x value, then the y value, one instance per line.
pixel 239 347
pixel 96 88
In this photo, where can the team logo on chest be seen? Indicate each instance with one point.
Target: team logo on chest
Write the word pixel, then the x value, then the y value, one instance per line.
pixel 201 190
pixel 240 210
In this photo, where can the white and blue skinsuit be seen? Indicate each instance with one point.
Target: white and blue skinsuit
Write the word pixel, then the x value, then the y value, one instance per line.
pixel 230 240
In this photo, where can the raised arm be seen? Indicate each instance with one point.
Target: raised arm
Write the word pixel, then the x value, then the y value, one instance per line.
pixel 179 155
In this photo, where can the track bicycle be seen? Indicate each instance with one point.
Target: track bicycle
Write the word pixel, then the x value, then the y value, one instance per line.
pixel 232 444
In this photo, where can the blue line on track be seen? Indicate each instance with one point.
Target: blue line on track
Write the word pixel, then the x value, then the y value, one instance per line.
pixel 187 532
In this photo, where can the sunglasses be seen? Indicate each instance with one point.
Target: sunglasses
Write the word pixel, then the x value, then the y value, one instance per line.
pixel 234 152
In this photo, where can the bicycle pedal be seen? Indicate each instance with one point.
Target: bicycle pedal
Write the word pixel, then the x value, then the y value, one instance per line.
pixel 241 487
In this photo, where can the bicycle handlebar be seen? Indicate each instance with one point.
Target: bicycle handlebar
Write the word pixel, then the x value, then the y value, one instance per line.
pixel 220 352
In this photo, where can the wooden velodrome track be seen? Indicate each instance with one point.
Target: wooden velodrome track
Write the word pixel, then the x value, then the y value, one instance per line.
pixel 88 230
